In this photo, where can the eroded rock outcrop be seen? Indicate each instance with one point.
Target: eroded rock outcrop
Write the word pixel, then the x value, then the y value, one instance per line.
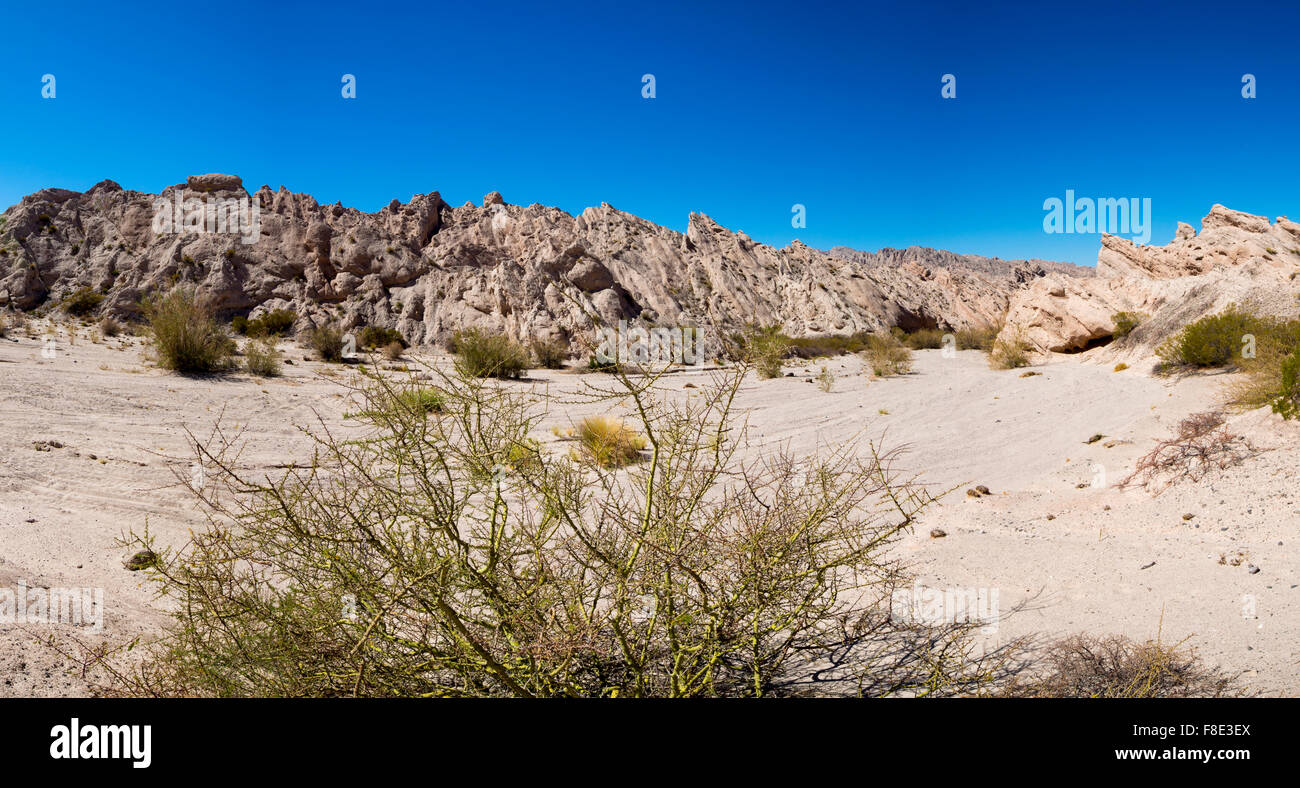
pixel 427 268
pixel 1236 258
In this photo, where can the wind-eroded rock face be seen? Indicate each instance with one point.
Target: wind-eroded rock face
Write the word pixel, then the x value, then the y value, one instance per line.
pixel 427 268
pixel 1236 258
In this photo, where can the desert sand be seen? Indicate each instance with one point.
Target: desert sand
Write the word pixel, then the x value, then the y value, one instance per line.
pixel 1055 536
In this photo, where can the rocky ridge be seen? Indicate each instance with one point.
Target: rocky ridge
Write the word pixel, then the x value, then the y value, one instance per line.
pixel 1235 258
pixel 427 268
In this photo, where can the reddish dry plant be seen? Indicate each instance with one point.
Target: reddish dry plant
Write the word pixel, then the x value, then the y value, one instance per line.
pixel 1201 445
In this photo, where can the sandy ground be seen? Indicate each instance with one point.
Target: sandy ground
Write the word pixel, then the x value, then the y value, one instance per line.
pixel 1107 561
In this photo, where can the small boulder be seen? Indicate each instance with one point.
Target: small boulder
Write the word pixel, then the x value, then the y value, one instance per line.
pixel 141 560
pixel 591 275
pixel 214 182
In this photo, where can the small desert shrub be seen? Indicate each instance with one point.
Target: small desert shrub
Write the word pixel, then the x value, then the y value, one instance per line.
pixel 609 442
pixel 977 337
pixel 1120 367
pixel 15 323
pixel 594 364
pixel 1287 402
pixel 1085 666
pixel 764 347
pixel 83 302
pixel 109 327
pixel 1212 341
pixel 1200 445
pixel 824 346
pixel 393 351
pixel 1219 340
pixel 422 400
pixel 1125 322
pixel 482 354
pixel 376 337
pixel 924 339
pixel 262 358
pixel 1010 352
pixel 1261 382
pixel 240 324
pixel 549 354
pixel 393 404
pixel 887 356
pixel 825 380
pixel 276 323
pixel 186 337
pixel 328 342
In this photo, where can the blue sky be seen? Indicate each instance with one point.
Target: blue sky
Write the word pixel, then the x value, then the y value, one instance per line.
pixel 758 106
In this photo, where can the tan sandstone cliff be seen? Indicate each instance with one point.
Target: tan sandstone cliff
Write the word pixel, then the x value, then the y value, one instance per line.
pixel 1235 258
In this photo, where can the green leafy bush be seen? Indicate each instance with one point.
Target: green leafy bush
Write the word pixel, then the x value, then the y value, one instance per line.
pixel 594 364
pixel 924 339
pixel 764 347
pixel 1125 322
pixel 83 302
pixel 377 337
pixel 483 354
pixel 829 345
pixel 549 354
pixel 1288 401
pixel 1219 340
pixel 328 342
pixel 276 323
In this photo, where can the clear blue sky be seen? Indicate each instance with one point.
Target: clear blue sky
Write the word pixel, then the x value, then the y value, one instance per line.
pixel 759 106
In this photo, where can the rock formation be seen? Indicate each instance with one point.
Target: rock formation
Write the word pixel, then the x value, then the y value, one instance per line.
pixel 427 268
pixel 1236 258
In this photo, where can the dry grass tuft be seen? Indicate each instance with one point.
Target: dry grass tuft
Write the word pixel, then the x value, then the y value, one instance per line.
pixel 978 337
pixel 887 356
pixel 1085 666
pixel 1010 352
pixel 262 358
pixel 186 337
pixel 608 442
